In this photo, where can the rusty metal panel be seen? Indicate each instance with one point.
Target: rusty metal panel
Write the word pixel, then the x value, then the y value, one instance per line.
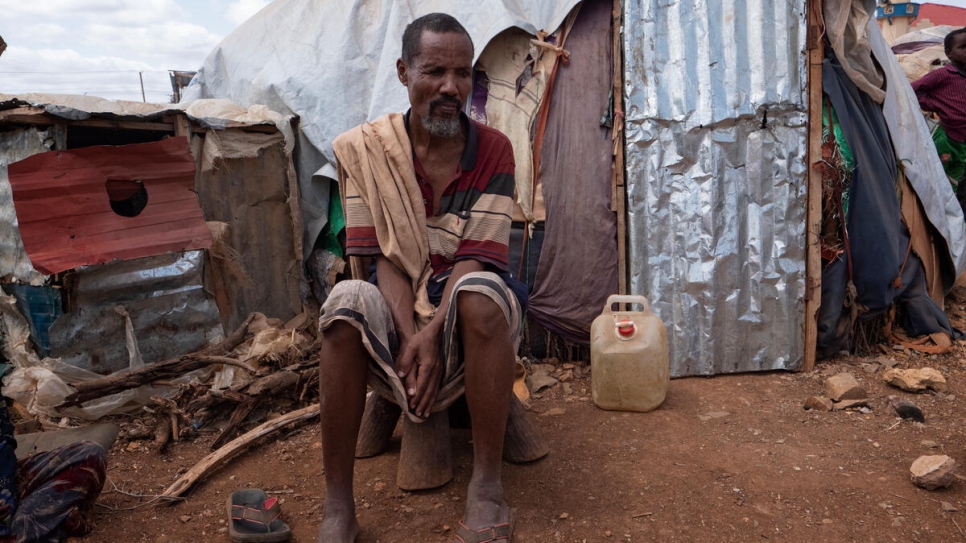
pixel 78 207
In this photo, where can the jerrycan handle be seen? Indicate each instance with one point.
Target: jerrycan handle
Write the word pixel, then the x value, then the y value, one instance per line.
pixel 626 299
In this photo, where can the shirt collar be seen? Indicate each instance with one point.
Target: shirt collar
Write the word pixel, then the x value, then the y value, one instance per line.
pixel 952 68
pixel 471 147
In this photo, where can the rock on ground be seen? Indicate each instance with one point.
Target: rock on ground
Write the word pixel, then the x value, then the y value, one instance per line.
pixel 915 379
pixel 932 472
pixel 844 387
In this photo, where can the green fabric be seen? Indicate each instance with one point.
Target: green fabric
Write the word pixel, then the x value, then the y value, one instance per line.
pixel 956 150
pixel 336 224
pixel 848 159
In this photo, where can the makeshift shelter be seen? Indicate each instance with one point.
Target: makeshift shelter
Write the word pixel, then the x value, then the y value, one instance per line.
pixel 132 233
pixel 717 110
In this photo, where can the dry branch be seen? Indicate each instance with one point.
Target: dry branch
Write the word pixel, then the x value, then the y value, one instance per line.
pixel 222 455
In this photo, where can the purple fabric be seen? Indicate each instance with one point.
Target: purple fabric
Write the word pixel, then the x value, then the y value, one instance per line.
pixel 57 489
pixel 578 264
pixel 913 46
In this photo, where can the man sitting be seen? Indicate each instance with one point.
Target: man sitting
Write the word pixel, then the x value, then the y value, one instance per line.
pixel 429 195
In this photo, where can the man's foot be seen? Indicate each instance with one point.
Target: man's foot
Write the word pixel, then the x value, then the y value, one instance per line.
pixel 485 506
pixel 339 526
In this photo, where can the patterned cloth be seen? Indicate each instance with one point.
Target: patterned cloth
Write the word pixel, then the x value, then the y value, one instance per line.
pixel 474 215
pixel 55 491
pixel 362 305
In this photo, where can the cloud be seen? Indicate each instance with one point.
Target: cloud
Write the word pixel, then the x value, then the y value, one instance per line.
pixel 100 47
pixel 240 11
pixel 106 11
pixel 167 45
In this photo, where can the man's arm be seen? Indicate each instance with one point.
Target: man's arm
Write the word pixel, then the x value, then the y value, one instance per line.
pixel 923 88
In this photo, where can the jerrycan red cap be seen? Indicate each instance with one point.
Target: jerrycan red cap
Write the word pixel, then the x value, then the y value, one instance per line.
pixel 626 329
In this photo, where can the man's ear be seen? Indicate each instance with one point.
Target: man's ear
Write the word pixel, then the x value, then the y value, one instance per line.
pixel 402 71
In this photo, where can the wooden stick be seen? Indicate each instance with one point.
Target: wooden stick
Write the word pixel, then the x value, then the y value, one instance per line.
pixel 222 455
pixel 813 213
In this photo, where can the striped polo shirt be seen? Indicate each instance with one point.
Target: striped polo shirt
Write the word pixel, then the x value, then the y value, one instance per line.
pixel 943 91
pixel 473 220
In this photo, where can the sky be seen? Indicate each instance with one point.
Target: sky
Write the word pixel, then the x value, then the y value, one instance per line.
pixel 104 47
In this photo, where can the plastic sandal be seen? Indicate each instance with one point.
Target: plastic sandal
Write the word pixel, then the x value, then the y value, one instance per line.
pixel 253 517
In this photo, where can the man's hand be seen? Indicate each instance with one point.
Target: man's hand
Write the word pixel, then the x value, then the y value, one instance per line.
pixel 419 367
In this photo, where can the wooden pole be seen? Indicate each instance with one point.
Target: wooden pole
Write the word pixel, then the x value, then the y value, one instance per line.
pixel 141 77
pixel 813 215
pixel 619 188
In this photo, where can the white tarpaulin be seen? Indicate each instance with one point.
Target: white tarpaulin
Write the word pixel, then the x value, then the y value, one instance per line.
pixel 915 149
pixel 334 65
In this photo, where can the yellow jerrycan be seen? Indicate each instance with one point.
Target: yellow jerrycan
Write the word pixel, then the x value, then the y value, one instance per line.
pixel 628 357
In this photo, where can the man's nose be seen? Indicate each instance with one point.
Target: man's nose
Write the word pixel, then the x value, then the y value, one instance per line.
pixel 449 87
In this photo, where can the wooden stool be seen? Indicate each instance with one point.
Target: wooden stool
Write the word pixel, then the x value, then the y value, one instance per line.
pixel 426 457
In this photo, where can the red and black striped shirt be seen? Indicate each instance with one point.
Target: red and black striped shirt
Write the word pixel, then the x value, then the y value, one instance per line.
pixel 943 91
pixel 474 215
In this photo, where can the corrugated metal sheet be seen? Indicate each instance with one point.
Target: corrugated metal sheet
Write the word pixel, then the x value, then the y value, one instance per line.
pixel 716 141
pixel 17 144
pixel 165 298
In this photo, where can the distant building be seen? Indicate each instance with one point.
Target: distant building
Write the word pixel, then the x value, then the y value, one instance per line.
pixel 899 18
pixel 936 15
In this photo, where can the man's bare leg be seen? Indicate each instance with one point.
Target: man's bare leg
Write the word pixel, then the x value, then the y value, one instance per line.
pixel 488 357
pixel 343 366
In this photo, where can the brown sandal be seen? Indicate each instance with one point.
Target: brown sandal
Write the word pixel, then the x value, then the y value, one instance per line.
pixel 498 532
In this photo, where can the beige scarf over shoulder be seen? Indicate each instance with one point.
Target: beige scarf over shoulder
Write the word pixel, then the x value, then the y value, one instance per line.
pixel 375 162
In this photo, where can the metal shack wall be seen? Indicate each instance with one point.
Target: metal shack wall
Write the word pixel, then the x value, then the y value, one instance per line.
pixel 716 140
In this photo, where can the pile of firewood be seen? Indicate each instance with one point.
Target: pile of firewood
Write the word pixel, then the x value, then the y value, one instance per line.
pixel 264 361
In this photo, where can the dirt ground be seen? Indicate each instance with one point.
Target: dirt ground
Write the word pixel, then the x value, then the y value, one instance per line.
pixel 729 458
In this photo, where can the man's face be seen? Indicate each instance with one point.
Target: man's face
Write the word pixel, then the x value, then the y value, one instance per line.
pixel 438 80
pixel 957 54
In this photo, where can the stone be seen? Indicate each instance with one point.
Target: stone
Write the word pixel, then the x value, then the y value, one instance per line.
pixel 932 472
pixel 916 379
pixel 556 411
pixel 928 444
pixel 566 376
pixel 844 387
pixel 713 415
pixel 818 403
pixel 847 404
pixel 886 362
pixel 540 380
pixel 948 507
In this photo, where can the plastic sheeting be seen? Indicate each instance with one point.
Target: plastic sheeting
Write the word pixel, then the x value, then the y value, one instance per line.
pixel 334 65
pixel 915 150
pixel 716 142
pixel 16 145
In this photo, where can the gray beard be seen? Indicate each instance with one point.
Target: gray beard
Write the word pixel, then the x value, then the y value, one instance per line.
pixel 442 128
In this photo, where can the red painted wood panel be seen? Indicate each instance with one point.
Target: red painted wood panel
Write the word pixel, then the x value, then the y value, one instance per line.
pixel 65 214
